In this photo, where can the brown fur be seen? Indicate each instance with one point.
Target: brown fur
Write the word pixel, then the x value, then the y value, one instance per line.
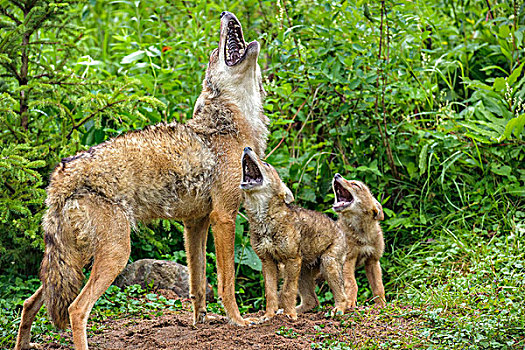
pixel 359 219
pixel 304 241
pixel 187 172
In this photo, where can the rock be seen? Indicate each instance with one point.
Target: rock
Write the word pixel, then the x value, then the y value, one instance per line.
pixel 164 274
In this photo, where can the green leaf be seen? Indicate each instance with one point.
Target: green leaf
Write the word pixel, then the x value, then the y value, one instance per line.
pixel 504 31
pixel 516 125
pixel 247 256
pixel 515 74
pixel 499 84
pixel 135 56
pixel 502 170
pixel 36 164
pixel 423 154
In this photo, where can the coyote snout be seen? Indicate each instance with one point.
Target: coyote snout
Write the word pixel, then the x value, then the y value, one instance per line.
pixel 359 216
pixel 303 241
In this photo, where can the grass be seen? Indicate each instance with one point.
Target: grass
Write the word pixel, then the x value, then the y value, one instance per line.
pixel 458 291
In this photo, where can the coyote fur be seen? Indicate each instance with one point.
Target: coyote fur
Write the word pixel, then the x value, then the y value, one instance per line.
pixel 359 216
pixel 304 241
pixel 187 172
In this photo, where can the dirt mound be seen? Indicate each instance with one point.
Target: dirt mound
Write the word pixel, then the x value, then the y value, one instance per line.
pixel 174 330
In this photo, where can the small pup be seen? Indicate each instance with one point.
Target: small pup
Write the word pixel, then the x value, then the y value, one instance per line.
pixel 359 216
pixel 303 241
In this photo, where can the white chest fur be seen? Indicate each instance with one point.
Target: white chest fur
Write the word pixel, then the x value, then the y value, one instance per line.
pixel 265 245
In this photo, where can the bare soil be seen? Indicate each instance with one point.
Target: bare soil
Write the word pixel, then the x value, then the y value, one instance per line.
pixel 174 330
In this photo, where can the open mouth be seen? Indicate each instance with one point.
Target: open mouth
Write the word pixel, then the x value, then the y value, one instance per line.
pixel 235 48
pixel 251 175
pixel 343 197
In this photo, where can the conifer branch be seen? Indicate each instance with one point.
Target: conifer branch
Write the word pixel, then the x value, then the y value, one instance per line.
pixel 18 4
pixel 101 109
pixel 11 68
pixel 10 188
pixel 3 11
pixel 13 132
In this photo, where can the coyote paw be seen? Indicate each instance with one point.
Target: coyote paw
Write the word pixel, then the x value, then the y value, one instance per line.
pixel 266 317
pixel 303 308
pixel 379 302
pixel 243 322
pixel 29 346
pixel 291 314
pixel 337 312
pixel 251 321
pixel 200 317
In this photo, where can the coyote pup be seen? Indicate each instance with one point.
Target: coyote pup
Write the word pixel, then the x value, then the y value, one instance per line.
pixel 304 241
pixel 359 216
pixel 188 172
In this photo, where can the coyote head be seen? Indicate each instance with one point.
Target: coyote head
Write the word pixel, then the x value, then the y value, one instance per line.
pixel 261 181
pixel 354 198
pixel 233 67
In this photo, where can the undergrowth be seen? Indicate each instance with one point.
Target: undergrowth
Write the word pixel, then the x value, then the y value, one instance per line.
pixel 421 100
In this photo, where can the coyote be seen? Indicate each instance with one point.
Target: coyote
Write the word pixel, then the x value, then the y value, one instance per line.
pixel 359 216
pixel 304 241
pixel 187 172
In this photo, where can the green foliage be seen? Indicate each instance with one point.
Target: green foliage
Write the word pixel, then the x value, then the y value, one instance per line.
pixel 51 106
pixel 21 195
pixel 115 303
pixel 287 332
pixel 132 300
pixel 13 292
pixel 468 287
pixel 423 101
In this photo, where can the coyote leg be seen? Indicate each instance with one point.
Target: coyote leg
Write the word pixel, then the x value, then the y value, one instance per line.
pixel 111 255
pixel 270 273
pixel 332 271
pixel 373 274
pixel 29 311
pixel 223 229
pixel 195 236
pixel 307 290
pixel 350 282
pixel 288 295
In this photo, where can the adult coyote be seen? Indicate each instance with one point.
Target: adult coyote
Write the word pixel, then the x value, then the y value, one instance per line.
pixel 188 172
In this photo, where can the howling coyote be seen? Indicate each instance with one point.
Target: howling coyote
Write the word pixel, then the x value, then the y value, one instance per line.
pixel 186 172
pixel 304 241
pixel 359 216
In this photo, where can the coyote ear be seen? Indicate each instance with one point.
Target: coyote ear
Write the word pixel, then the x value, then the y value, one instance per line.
pixel 286 194
pixel 378 211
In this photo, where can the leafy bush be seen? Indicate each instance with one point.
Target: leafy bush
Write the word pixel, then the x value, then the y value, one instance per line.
pixel 423 101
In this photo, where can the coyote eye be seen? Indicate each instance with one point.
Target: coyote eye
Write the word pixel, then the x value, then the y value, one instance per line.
pixel 266 164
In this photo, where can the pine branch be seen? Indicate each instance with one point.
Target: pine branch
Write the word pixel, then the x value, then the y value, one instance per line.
pixel 3 11
pixel 18 4
pixel 11 189
pixel 12 68
pixel 109 105
pixel 13 132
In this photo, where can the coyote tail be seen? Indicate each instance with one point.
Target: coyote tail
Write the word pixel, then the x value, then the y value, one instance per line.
pixel 61 269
